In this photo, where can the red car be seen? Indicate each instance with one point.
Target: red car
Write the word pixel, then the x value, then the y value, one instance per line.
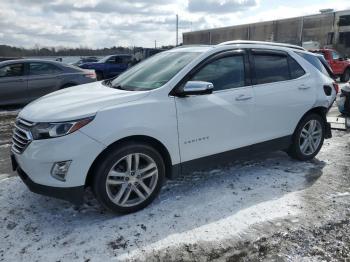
pixel 339 64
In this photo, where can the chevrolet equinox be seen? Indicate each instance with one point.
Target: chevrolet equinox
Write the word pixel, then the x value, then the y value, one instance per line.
pixel 181 110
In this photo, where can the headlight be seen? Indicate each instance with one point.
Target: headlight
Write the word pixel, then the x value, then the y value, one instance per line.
pixel 51 130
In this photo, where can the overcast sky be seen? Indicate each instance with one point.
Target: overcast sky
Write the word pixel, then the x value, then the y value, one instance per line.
pixel 106 23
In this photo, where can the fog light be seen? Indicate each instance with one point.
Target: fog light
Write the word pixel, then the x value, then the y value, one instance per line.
pixel 59 170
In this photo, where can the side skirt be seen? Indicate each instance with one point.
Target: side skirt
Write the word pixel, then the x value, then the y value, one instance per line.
pixel 210 162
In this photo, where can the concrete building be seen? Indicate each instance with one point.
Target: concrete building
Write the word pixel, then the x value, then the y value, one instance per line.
pixel 328 29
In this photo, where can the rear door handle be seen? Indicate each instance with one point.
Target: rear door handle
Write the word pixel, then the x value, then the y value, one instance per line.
pixel 303 87
pixel 243 98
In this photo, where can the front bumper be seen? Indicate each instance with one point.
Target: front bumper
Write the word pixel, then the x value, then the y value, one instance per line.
pixel 34 165
pixel 74 195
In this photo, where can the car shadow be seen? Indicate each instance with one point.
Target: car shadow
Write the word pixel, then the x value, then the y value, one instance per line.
pixel 186 203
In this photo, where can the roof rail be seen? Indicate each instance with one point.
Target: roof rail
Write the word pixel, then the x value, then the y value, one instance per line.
pixel 235 42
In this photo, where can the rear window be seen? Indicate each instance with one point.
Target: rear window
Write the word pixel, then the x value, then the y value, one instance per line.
pixel 38 68
pixel 312 59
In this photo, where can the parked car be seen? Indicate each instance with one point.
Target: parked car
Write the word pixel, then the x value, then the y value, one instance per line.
pixel 339 64
pixel 190 108
pixel 109 66
pixel 24 80
pixel 83 60
pixel 344 100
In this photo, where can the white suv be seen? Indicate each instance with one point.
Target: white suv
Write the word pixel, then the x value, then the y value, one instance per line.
pixel 185 109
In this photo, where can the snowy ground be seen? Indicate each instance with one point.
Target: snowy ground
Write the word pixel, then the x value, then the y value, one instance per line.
pixel 272 208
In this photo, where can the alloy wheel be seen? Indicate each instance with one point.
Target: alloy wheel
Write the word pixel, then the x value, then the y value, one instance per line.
pixel 310 137
pixel 132 179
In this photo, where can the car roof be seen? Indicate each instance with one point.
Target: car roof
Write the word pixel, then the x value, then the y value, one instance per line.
pixel 118 55
pixel 240 44
pixel 248 42
pixel 28 60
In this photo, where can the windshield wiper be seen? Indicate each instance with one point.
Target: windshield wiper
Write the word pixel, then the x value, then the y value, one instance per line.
pixel 107 82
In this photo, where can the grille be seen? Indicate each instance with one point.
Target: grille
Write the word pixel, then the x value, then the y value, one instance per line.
pixel 22 136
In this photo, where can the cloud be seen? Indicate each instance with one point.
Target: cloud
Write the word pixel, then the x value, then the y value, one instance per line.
pixel 223 6
pixel 106 23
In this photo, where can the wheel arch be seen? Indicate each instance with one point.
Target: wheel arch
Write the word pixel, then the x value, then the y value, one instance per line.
pixel 319 110
pixel 133 139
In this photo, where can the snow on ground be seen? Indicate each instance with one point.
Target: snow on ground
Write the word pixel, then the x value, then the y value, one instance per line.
pixel 210 210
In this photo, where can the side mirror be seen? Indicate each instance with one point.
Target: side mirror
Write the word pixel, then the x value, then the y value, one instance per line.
pixel 196 88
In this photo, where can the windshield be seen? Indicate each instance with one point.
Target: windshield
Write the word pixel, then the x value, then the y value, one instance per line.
pixel 103 59
pixel 154 72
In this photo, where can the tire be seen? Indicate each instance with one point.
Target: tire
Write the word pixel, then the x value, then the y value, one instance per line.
pixel 99 76
pixel 346 76
pixel 301 148
pixel 117 180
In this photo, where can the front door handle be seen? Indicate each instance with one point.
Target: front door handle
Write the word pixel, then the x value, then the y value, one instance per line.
pixel 243 98
pixel 303 87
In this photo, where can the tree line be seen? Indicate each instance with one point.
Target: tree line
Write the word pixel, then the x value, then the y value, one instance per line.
pixel 11 51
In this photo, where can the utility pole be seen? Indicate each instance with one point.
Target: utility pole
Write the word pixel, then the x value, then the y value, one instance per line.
pixel 177 29
pixel 155 44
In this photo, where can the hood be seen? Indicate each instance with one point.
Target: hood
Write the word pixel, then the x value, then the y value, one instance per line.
pixel 77 102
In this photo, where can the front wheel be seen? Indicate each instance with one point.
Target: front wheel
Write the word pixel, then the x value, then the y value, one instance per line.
pixel 308 138
pixel 129 178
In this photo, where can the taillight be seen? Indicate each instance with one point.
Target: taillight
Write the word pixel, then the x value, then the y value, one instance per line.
pixel 90 75
pixel 336 87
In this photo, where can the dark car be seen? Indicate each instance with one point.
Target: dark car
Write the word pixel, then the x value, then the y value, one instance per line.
pixel 83 60
pixel 22 81
pixel 109 66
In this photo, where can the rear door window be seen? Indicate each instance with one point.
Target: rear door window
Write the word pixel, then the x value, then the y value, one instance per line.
pixel 38 68
pixel 12 70
pixel 270 68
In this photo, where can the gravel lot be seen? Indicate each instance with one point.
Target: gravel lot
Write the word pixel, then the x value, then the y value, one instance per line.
pixel 270 209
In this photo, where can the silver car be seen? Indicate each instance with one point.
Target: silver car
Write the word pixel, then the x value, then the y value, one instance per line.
pixel 24 80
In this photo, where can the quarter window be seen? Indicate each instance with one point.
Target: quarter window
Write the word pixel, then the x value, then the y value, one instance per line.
pixel 271 68
pixel 224 73
pixel 312 59
pixel 296 70
pixel 12 70
pixel 43 69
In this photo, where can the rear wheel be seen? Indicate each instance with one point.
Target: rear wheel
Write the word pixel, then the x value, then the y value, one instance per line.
pixel 99 75
pixel 129 178
pixel 308 138
pixel 346 76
